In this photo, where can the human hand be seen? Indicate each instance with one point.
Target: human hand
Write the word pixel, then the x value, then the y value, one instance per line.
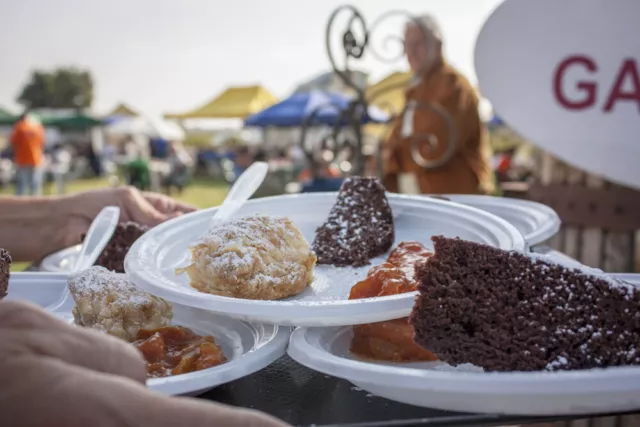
pixel 142 207
pixel 56 374
pixel 45 363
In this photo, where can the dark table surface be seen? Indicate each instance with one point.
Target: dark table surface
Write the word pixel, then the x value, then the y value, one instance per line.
pixel 303 397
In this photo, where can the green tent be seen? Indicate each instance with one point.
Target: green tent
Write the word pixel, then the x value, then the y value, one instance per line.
pixel 71 122
pixel 6 115
pixel 64 120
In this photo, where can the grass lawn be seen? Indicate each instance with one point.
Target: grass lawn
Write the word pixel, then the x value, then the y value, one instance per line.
pixel 201 192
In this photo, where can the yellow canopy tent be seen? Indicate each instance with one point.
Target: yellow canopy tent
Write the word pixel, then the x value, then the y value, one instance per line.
pixel 235 102
pixel 123 110
pixel 388 95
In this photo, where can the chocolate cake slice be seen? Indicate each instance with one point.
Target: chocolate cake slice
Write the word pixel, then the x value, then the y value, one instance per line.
pixel 359 227
pixel 511 311
pixel 126 233
pixel 5 272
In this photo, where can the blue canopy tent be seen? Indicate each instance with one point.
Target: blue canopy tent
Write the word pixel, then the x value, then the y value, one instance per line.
pixel 314 108
pixel 322 108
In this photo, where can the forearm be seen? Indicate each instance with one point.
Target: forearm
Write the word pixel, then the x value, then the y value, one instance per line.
pixel 32 227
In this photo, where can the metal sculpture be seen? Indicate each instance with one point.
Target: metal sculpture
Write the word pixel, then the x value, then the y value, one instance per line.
pixel 356 40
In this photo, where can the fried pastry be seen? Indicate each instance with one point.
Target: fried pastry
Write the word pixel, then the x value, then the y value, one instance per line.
pixel 108 302
pixel 256 257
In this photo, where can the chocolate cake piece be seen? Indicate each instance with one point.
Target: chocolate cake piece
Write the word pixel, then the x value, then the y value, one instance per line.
pixel 359 227
pixel 126 233
pixel 5 272
pixel 511 311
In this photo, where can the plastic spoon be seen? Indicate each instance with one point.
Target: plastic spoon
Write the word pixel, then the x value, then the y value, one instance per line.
pixel 97 237
pixel 244 187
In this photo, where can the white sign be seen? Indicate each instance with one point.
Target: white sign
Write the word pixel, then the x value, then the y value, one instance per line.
pixel 566 75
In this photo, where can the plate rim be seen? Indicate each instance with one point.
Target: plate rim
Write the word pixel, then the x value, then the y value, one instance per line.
pixel 497 383
pixel 547 229
pixel 303 352
pixel 248 363
pixel 136 270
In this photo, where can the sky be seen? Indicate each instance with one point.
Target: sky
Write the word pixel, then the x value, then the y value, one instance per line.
pixel 174 55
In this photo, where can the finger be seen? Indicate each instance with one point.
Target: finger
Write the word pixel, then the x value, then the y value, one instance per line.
pixel 27 329
pixel 183 207
pixel 140 210
pixel 167 204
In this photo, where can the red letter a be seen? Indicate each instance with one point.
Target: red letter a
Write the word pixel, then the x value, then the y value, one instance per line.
pixel 629 69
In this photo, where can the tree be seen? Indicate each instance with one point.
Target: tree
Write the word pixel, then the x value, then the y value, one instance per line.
pixel 61 88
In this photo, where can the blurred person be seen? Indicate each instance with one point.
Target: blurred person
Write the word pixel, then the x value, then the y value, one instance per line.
pixel 138 172
pixel 60 166
pixel 27 142
pixel 320 168
pixel 436 82
pixel 281 160
pixel 278 176
pixel 95 160
pixel 55 374
pixel 298 158
pixel 260 156
pixel 504 164
pixel 179 162
pixel 31 228
pixel 95 153
pixel 242 161
pixel 323 176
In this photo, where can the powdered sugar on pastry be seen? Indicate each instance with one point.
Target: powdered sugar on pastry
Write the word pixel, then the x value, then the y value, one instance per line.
pixel 256 257
pixel 108 302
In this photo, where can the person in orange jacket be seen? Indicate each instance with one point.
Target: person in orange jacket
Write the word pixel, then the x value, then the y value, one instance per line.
pixel 27 141
pixel 437 83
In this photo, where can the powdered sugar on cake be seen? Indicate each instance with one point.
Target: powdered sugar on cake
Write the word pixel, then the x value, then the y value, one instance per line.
pixel 597 274
pixel 359 226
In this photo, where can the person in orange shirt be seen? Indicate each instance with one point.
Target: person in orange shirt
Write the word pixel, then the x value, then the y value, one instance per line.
pixel 27 141
pixel 441 110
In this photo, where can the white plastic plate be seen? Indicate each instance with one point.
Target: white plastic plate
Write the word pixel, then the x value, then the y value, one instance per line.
pixel 152 260
pixel 247 346
pixel 535 221
pixel 438 385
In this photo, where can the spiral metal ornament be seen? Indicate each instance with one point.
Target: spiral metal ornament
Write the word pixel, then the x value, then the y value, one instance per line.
pixel 420 140
pixel 356 41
